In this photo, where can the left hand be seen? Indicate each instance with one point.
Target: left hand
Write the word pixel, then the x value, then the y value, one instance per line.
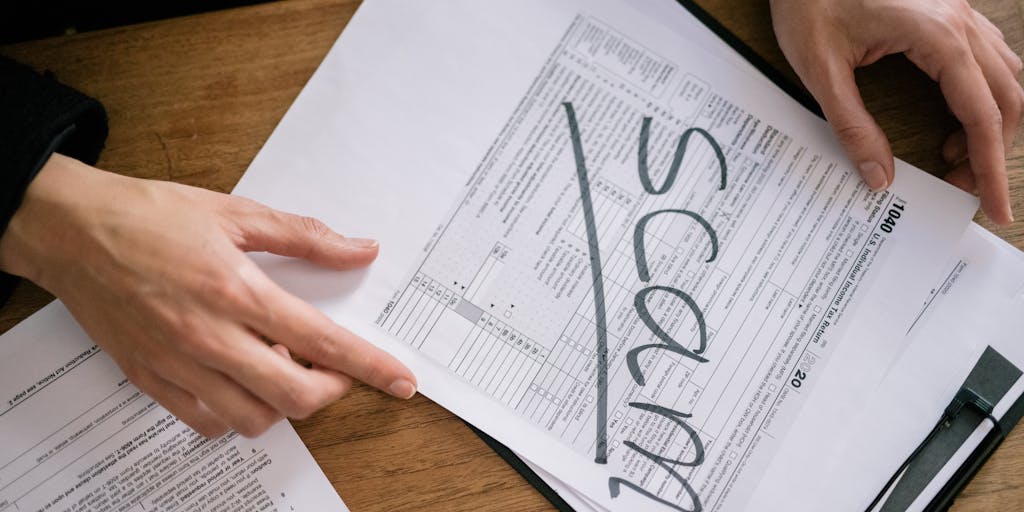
pixel 824 40
pixel 156 273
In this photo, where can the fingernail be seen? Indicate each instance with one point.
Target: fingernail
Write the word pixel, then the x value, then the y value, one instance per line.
pixel 874 175
pixel 283 350
pixel 402 388
pixel 362 243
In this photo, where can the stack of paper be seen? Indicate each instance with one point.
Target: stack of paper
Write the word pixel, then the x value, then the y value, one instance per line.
pixel 613 246
pixel 78 437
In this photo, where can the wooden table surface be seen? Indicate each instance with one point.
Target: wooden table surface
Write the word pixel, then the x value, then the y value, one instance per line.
pixel 192 100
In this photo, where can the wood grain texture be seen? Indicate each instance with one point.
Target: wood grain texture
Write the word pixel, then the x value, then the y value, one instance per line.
pixel 193 99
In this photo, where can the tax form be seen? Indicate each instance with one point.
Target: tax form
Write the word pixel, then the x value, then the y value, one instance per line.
pixel 77 437
pixel 860 441
pixel 603 245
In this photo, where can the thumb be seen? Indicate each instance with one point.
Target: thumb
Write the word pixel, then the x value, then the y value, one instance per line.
pixel 856 130
pixel 260 228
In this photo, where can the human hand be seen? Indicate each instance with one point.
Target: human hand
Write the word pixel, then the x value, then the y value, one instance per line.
pixel 156 273
pixel 824 40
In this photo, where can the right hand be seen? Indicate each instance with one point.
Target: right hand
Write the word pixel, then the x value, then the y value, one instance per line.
pixel 824 40
pixel 156 274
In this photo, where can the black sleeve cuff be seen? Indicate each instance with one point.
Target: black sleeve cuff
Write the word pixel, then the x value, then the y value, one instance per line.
pixel 40 116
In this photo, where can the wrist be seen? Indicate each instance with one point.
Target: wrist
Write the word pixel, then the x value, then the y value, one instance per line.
pixel 39 239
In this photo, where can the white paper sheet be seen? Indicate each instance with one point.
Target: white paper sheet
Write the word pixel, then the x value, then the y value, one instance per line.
pixel 978 303
pixel 77 437
pixel 440 129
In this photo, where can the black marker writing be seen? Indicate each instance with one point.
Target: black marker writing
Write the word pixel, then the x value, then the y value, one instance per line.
pixel 677 159
pixel 640 251
pixel 601 452
pixel 640 304
pixel 668 343
pixel 615 483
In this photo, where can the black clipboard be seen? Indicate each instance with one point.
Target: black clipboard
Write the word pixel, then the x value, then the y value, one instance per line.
pixel 947 495
pixel 988 383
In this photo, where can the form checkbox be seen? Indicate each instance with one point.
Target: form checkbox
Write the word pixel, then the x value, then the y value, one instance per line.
pixel 732 455
pixel 817 309
pixel 849 254
pixel 508 313
pixel 771 388
pixel 618 415
pixel 629 421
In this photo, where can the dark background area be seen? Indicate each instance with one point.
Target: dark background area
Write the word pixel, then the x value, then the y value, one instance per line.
pixel 25 20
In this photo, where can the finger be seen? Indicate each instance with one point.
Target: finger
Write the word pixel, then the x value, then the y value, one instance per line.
pixel 1001 80
pixel 288 387
pixel 312 335
pixel 970 99
pixel 954 150
pixel 835 88
pixel 180 403
pixel 998 41
pixel 986 24
pixel 962 177
pixel 1011 59
pixel 235 406
pixel 281 349
pixel 264 229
